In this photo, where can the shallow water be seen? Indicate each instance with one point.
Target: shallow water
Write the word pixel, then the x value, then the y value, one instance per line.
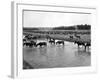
pixel 54 56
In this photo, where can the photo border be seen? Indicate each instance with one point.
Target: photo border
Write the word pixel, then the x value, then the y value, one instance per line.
pixel 17 62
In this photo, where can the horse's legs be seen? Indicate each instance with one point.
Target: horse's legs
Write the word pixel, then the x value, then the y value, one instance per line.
pixel 85 48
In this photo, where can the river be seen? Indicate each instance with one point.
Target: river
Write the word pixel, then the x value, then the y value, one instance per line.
pixel 54 56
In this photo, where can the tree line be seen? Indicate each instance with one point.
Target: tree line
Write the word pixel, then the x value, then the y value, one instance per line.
pixel 78 27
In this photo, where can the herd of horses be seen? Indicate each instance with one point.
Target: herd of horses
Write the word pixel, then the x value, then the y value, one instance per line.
pixel 40 44
pixel 28 41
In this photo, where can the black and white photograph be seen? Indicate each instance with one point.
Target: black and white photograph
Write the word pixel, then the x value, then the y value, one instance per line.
pixel 56 39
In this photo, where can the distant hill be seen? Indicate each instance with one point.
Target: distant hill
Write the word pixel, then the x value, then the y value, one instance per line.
pixel 78 27
pixel 29 28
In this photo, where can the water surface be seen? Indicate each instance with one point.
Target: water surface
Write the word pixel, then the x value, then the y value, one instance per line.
pixel 54 56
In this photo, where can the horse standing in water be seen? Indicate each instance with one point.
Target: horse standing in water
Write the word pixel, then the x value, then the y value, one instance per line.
pixel 41 44
pixel 83 44
pixel 60 42
pixel 30 44
pixel 52 41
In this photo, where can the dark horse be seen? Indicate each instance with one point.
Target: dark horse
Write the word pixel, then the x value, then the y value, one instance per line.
pixel 88 44
pixel 79 43
pixel 30 44
pixel 71 37
pixel 41 44
pixel 33 43
pixel 52 41
pixel 60 42
pixel 82 44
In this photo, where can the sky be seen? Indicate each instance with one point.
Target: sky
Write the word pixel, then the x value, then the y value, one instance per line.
pixel 54 19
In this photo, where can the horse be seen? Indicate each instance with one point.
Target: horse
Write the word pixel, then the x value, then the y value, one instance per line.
pixel 83 44
pixel 60 42
pixel 78 37
pixel 41 44
pixel 79 43
pixel 24 40
pixel 71 37
pixel 87 45
pixel 30 44
pixel 26 44
pixel 33 43
pixel 52 42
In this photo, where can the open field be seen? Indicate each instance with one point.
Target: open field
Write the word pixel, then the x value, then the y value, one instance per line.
pixel 85 35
